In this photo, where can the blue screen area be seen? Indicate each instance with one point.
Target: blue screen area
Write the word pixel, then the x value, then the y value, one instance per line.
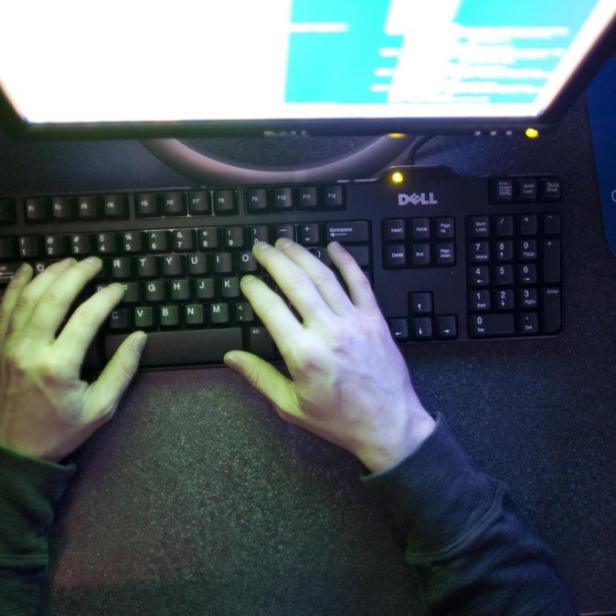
pixel 509 63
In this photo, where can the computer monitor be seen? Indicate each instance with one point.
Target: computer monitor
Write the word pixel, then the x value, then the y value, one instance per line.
pixel 154 68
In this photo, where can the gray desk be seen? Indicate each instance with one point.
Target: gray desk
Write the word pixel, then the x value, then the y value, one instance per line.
pixel 198 500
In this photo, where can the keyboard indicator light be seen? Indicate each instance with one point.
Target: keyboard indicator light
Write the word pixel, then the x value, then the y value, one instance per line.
pixel 397 177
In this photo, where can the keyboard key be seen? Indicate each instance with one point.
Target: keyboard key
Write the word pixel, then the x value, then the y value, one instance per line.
pixel 119 319
pixel 247 263
pixel 445 228
pixel 244 312
pixel 223 263
pixel 121 268
pixel 199 203
pixel 219 314
pixel 198 264
pixel 8 248
pixel 551 224
pixel 7 212
pixel 550 310
pixel 445 254
pixel 173 265
pixel 144 317
pixel 528 298
pixel 480 301
pixel 229 287
pixel 260 342
pixel 147 205
pixel 158 241
pixel 258 233
pixel 284 230
pixel 447 326
pixel 421 328
pixel 525 190
pixel 7 271
pixel 551 261
pixel 504 226
pixel 501 190
pixel 308 198
pixel 483 325
pixel 361 254
pixel 308 234
pixel 224 202
pixel 479 276
pixel 504 299
pixel 37 210
pixel 193 314
pixel 282 199
pixel 503 275
pixel 169 316
pixel 62 208
pixel 88 208
pixel 527 273
pixel 208 238
pixel 192 346
pixel 131 293
pixel 204 288
pixel 528 224
pixel 173 204
pixel 395 256
pixel 399 329
pixel 394 230
pixel 348 232
pixel 333 197
pixel 106 243
pixel 420 228
pixel 30 246
pixel 183 240
pixel 56 246
pixel 115 206
pixel 528 323
pixel 420 255
pixel 479 252
pixel 147 267
pixel 180 289
pixel 421 303
pixel 549 189
pixel 131 242
pixel 233 237
pixel 503 250
pixel 256 200
pixel 528 250
pixel 479 226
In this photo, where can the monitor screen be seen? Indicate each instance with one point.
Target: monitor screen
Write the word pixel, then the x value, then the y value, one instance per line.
pixel 67 62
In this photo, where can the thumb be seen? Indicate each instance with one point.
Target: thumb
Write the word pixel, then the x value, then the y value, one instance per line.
pixel 266 379
pixel 105 393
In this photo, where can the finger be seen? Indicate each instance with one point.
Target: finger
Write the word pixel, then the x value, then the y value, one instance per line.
pixel 293 282
pixel 103 395
pixel 52 307
pixel 266 379
pixel 322 276
pixel 77 335
pixel 31 294
pixel 357 282
pixel 19 281
pixel 284 328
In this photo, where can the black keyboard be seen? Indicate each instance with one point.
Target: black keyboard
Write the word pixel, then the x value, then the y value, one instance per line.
pixel 450 258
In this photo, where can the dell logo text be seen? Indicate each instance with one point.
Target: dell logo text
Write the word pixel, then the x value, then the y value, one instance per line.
pixel 417 199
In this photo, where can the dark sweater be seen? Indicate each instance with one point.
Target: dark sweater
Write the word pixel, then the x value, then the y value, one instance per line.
pixel 468 548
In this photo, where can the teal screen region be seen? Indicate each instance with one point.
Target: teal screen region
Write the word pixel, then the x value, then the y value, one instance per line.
pixel 338 66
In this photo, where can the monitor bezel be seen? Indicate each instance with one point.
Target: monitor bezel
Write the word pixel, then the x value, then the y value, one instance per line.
pixel 16 126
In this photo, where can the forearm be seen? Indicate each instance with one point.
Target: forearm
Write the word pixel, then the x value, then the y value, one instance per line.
pixel 469 550
pixel 29 491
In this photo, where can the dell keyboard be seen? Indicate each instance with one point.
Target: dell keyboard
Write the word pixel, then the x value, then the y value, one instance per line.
pixel 450 258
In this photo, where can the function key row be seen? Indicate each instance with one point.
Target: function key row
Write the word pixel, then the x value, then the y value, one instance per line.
pixel 181 240
pixel 509 225
pixel 524 190
pixel 173 203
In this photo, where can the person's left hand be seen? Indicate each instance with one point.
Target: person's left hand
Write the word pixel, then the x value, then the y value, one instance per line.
pixel 46 411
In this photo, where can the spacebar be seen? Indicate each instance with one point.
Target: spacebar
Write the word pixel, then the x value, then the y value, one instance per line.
pixel 187 346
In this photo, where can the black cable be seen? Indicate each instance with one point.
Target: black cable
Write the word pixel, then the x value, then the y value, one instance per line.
pixel 417 144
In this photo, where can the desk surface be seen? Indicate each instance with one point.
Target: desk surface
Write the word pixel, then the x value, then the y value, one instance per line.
pixel 198 499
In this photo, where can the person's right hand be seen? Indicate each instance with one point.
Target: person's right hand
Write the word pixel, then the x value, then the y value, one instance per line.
pixel 350 384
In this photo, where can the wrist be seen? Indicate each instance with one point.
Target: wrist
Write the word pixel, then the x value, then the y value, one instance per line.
pixel 419 426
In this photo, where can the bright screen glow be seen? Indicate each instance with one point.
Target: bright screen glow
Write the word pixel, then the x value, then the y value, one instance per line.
pixel 70 61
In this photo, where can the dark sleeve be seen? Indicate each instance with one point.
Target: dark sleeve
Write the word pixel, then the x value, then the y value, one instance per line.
pixel 468 548
pixel 29 491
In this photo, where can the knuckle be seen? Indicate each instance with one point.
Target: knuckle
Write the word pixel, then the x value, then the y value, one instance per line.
pixel 56 295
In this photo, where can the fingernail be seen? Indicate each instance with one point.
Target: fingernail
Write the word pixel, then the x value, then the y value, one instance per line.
pixel 283 242
pixel 335 245
pixel 68 261
pixel 231 360
pixel 247 278
pixel 139 342
pixel 21 271
pixel 260 245
pixel 118 285
pixel 93 261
